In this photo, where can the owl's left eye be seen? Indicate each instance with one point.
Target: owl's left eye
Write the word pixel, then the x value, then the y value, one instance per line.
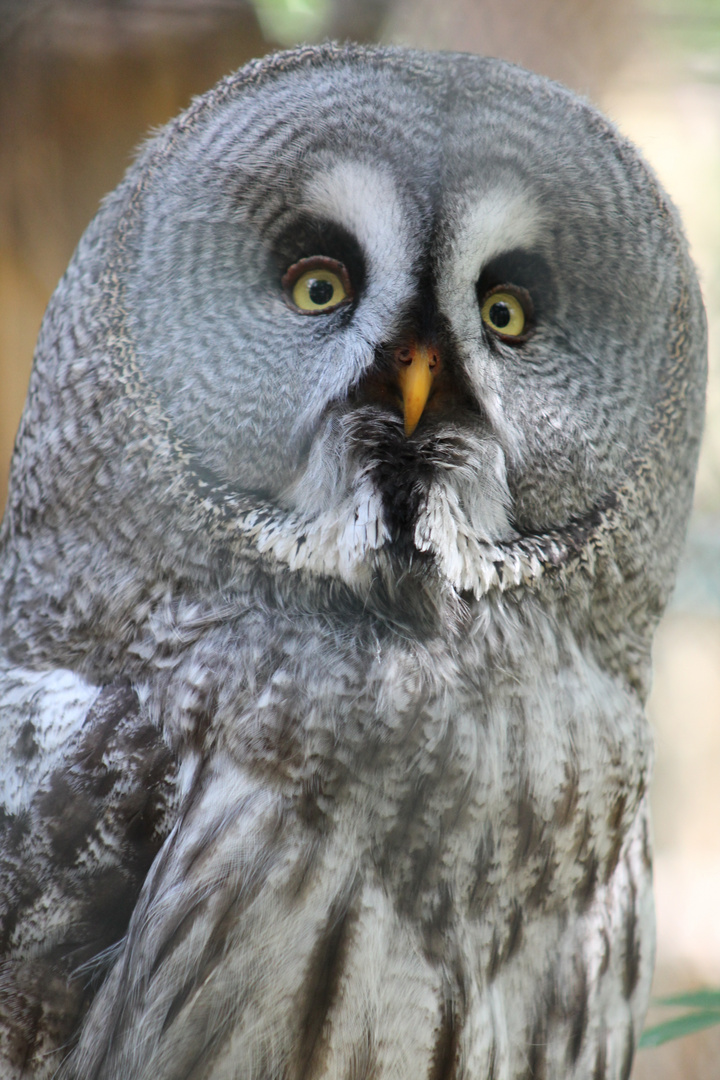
pixel 316 285
pixel 507 311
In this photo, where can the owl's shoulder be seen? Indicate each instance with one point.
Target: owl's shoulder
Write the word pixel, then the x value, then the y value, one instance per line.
pixel 86 800
pixel 42 715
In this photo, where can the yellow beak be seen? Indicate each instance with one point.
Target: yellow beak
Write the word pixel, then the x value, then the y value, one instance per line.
pixel 418 365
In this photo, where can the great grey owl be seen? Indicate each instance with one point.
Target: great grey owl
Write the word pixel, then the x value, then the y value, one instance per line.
pixel 356 461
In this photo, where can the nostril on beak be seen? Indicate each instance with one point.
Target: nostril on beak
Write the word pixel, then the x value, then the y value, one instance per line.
pixel 418 366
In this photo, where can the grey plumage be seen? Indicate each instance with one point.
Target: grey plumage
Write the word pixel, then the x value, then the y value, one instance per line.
pixel 326 750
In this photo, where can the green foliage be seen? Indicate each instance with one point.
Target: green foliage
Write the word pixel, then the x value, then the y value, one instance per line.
pixel 691 9
pixel 686 25
pixel 292 21
pixel 703 1011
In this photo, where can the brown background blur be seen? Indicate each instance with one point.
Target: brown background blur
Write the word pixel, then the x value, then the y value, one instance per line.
pixel 82 81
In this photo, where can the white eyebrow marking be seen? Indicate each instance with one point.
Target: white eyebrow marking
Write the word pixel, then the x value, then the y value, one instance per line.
pixel 498 221
pixel 482 227
pixel 364 199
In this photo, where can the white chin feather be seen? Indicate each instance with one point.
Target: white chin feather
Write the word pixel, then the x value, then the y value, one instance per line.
pixel 465 513
pixel 336 526
pixel 338 542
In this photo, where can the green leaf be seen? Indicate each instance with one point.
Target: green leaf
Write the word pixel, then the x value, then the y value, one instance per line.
pixel 291 21
pixel 675 1029
pixel 695 999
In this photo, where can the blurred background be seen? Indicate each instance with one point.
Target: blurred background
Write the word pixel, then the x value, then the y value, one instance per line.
pixel 82 81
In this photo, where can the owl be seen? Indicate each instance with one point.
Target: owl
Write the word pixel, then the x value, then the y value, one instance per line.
pixel 356 461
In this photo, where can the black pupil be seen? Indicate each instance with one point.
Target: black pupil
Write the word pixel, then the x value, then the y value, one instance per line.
pixel 321 292
pixel 499 314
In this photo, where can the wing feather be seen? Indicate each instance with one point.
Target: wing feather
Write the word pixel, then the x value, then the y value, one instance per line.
pixel 88 799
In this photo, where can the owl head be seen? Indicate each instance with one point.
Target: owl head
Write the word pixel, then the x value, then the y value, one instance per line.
pixel 362 314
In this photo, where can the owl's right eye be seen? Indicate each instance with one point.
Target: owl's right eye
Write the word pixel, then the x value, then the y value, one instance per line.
pixel 317 285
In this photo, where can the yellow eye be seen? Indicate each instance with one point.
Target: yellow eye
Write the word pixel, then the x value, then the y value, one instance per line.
pixel 503 313
pixel 317 285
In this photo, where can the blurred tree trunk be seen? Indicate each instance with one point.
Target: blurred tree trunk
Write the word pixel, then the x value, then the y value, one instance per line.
pixel 578 42
pixel 79 87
